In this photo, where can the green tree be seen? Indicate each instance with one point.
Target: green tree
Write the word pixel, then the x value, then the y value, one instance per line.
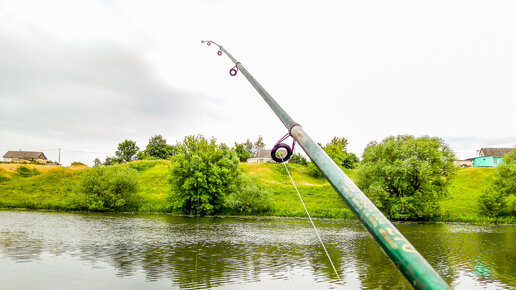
pixel 108 188
pixel 112 160
pixel 159 148
pixel 499 198
pixel 241 152
pixel 127 150
pixel 201 175
pixel 406 176
pixel 337 151
pixel 258 145
pixel 97 162
pixel 248 145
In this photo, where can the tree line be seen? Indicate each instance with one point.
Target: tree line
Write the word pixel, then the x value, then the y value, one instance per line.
pixel 405 176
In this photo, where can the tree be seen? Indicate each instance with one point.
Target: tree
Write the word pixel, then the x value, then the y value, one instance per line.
pixel 499 198
pixel 108 188
pixel 248 145
pixel 241 152
pixel 337 151
pixel 201 175
pixel 258 145
pixel 97 162
pixel 126 151
pixel 112 160
pixel 159 148
pixel 406 176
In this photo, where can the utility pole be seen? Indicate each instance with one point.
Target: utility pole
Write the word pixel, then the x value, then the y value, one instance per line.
pixel 59 158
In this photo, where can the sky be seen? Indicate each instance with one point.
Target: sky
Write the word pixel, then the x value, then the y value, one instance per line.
pixel 84 76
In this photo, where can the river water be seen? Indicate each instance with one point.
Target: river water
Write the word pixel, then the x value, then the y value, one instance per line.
pixel 48 250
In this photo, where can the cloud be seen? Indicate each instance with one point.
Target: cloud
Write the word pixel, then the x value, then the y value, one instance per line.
pixel 84 89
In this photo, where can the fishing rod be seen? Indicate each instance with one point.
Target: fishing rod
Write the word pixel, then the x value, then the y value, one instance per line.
pixel 405 257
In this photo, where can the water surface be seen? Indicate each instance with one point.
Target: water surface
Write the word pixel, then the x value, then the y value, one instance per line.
pixel 45 250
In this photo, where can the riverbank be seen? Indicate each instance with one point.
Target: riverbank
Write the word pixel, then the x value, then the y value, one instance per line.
pixel 54 187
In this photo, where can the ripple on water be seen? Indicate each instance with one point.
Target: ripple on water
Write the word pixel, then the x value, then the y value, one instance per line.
pixel 197 253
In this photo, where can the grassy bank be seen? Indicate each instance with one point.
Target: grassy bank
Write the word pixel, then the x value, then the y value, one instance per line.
pixel 55 187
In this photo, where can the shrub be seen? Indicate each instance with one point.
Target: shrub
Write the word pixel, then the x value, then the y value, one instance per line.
pixel 499 198
pixel 298 159
pixel 201 175
pixel 24 171
pixel 241 152
pixel 406 176
pixel 141 166
pixel 109 188
pixel 248 195
pixel 314 171
pixel 77 163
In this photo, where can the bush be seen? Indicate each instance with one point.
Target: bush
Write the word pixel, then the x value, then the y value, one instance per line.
pixel 201 175
pixel 24 171
pixel 248 195
pixel 499 198
pixel 406 176
pixel 77 163
pixel 141 166
pixel 314 171
pixel 108 188
pixel 298 159
pixel 241 152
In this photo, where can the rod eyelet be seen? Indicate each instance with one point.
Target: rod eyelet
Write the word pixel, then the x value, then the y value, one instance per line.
pixel 276 148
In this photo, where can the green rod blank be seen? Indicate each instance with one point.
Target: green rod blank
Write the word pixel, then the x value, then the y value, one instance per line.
pixel 405 257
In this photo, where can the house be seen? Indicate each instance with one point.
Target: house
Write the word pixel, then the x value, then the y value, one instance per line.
pixel 24 156
pixel 263 155
pixel 490 157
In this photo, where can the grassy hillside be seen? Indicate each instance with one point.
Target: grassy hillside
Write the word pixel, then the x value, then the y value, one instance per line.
pixel 318 195
pixel 462 202
pixel 55 186
pixel 52 188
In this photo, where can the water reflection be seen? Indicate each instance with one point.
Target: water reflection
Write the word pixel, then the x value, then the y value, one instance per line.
pixel 204 253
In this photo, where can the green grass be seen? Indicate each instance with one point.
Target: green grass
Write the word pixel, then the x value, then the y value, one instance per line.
pixel 55 188
pixel 318 195
pixel 154 187
pixel 461 204
pixel 52 189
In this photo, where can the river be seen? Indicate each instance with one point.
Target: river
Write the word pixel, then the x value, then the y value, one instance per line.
pixel 49 250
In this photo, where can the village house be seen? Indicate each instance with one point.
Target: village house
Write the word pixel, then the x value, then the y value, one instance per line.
pixel 24 156
pixel 264 155
pixel 490 157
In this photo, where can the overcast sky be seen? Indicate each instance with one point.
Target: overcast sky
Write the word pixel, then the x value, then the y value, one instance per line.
pixel 86 75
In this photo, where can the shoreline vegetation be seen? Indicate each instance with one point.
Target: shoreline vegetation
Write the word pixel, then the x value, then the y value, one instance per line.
pixel 51 187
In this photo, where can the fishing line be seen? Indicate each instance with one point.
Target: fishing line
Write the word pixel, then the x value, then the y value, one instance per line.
pixel 311 221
